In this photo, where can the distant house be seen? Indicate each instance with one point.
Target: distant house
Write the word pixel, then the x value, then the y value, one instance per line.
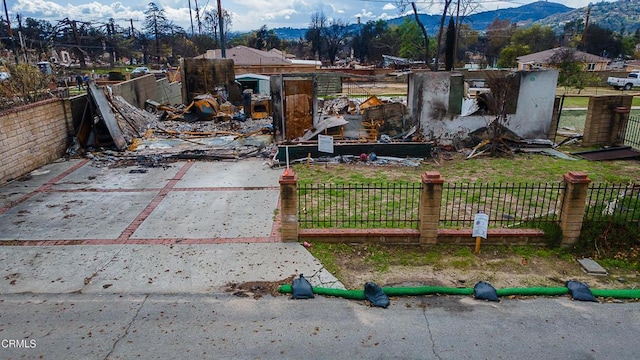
pixel 541 60
pixel 632 65
pixel 258 84
pixel 249 60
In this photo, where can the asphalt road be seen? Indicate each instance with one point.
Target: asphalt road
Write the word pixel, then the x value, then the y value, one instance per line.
pixel 223 326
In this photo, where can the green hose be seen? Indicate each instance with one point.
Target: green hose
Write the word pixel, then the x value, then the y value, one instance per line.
pixel 440 290
pixel 534 291
pixel 617 294
pixel 389 291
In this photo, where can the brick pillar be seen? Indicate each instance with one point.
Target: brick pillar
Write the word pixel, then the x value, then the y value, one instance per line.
pixel 573 206
pixel 289 205
pixel 620 122
pixel 603 124
pixel 430 200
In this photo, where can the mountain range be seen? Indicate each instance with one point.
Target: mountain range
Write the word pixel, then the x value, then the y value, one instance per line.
pixel 616 16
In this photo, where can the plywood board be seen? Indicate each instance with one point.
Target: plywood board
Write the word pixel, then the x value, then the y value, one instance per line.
pixel 298 104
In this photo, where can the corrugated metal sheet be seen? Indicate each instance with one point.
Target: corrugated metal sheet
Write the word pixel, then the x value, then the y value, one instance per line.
pixel 609 154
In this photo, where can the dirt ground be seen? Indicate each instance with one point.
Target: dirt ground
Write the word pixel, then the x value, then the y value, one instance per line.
pixel 458 267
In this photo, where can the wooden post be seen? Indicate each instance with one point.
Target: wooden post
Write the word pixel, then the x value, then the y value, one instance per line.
pixel 477 251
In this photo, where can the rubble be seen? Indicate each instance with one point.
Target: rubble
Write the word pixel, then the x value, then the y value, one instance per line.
pixel 172 132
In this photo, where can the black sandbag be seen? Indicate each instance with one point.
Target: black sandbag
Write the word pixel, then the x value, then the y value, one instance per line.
pixel 301 288
pixel 484 291
pixel 375 295
pixel 580 291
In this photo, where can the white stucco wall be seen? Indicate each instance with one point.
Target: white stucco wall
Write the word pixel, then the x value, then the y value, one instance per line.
pixel 532 119
pixel 428 101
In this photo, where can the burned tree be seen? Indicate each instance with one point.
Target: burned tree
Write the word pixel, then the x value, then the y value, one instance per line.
pixel 499 103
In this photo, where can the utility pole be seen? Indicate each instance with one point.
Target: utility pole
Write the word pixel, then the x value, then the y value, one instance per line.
pixel 191 17
pixel 13 43
pixel 455 47
pixel 223 46
pixel 198 19
pixel 586 27
pixel 24 49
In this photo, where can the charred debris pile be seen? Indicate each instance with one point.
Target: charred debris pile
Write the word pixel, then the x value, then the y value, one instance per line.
pixel 209 128
pixel 374 130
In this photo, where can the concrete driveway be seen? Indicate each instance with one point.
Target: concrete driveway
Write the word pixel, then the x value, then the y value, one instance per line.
pixel 185 227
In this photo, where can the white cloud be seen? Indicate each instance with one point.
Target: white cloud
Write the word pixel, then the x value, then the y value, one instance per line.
pixel 389 6
pixel 246 14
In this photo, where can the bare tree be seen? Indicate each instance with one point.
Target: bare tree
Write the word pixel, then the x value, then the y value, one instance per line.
pixel 314 33
pixel 447 3
pixel 211 23
pixel 334 37
pixel 464 8
pixel 402 6
pixel 155 22
pixel 499 102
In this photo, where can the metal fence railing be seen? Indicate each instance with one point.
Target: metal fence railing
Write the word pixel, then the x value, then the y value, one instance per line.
pixel 393 205
pixel 630 134
pixel 396 205
pixel 607 201
pixel 507 204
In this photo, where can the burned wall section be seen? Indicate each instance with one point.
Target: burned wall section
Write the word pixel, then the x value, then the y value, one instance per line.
pixel 202 76
pixel 435 99
pixel 138 90
pixel 32 136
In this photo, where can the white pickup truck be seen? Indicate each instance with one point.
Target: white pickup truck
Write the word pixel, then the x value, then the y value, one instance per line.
pixel 627 83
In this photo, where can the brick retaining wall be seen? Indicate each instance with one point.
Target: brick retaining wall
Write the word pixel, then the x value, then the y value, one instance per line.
pixel 31 136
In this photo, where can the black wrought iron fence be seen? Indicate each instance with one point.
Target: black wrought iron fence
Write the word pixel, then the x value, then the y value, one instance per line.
pixel 393 205
pixel 507 204
pixel 630 134
pixel 607 201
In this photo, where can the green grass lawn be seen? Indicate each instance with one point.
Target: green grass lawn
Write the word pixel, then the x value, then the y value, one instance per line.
pixel 583 101
pixel 519 168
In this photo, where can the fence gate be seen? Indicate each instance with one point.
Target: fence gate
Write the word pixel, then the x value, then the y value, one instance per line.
pixel 630 134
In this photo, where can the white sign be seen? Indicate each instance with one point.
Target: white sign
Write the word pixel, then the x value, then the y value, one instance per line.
pixel 325 143
pixel 480 224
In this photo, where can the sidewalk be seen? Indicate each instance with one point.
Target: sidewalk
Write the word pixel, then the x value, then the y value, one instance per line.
pixel 187 227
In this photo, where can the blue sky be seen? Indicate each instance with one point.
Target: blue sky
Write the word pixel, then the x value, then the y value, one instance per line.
pixel 247 14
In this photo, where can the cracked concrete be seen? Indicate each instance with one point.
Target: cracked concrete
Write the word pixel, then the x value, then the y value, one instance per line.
pixel 187 227
pixel 126 331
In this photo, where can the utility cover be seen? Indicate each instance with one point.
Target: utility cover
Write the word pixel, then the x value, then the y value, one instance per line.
pixel 592 267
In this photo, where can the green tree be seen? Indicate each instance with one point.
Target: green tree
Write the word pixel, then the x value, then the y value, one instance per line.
pixel 536 38
pixel 450 45
pixel 467 40
pixel 38 34
pixel 364 41
pixel 385 44
pixel 602 42
pixel 571 69
pixel 499 36
pixel 411 40
pixel 509 55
